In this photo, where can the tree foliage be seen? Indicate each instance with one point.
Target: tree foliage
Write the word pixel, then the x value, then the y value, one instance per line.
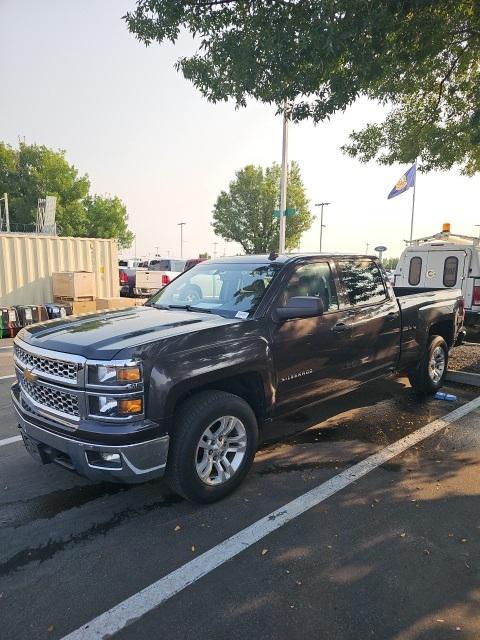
pixel 244 213
pixel 33 171
pixel 390 263
pixel 421 56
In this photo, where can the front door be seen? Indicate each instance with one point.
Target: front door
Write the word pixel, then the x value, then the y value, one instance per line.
pixel 311 355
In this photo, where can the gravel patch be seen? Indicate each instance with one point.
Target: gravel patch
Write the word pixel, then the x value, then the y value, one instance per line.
pixel 465 358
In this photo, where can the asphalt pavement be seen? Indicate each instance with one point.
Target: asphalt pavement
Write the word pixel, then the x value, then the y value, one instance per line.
pixel 390 554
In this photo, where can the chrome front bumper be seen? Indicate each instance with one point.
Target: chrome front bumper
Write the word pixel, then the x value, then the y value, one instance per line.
pixel 137 462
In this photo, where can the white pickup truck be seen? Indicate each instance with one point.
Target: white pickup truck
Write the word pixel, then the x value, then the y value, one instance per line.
pixel 158 273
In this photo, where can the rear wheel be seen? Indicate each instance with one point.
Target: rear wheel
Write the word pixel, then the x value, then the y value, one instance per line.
pixel 212 447
pixel 429 375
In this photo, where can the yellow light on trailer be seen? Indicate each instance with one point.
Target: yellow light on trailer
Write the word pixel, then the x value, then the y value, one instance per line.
pixel 446 227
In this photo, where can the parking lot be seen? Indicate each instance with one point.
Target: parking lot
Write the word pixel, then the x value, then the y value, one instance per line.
pixel 319 543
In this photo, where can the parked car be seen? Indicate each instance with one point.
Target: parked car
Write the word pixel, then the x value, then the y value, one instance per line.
pixel 443 261
pixel 129 263
pixel 127 282
pixel 158 274
pixel 182 389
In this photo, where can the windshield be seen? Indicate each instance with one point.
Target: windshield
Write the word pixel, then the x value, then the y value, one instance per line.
pixel 231 290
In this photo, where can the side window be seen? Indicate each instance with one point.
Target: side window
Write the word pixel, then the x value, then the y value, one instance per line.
pixel 178 265
pixel 450 271
pixel 313 280
pixel 415 271
pixel 363 282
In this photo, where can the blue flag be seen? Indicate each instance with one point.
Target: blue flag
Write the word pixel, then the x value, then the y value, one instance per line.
pixel 405 182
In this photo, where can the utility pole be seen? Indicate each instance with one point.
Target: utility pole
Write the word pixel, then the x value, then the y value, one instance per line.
pixel 283 182
pixel 367 245
pixel 7 215
pixel 322 204
pixel 214 249
pixel 157 251
pixel 181 225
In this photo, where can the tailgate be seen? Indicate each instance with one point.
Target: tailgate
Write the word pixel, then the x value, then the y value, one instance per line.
pixel 149 279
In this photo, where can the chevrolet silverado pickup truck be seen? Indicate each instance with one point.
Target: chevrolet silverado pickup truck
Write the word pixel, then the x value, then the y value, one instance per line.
pixel 181 386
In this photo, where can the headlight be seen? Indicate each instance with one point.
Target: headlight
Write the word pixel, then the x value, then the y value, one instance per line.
pixel 114 374
pixel 111 407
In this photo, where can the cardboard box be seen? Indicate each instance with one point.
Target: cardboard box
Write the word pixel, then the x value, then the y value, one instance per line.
pixel 74 285
pixel 114 303
pixel 82 306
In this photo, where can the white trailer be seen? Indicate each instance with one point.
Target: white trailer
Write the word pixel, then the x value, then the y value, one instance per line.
pixel 443 261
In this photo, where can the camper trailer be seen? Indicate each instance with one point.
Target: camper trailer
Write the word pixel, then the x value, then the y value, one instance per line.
pixel 443 261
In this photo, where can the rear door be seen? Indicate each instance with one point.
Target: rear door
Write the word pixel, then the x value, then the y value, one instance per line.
pixel 374 318
pixel 445 269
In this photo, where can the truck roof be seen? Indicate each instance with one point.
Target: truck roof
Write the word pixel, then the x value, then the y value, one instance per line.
pixel 286 257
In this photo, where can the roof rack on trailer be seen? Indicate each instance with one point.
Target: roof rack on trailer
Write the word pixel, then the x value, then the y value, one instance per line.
pixel 445 236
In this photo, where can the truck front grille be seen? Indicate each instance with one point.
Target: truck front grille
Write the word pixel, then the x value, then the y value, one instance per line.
pixel 61 401
pixel 51 367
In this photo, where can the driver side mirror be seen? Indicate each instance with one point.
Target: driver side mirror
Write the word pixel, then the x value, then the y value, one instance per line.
pixel 301 307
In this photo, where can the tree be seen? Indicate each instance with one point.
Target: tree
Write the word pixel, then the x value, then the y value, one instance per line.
pixel 244 213
pixel 420 56
pixel 35 171
pixel 390 263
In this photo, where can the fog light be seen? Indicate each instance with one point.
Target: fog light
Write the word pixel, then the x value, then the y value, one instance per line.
pixel 110 457
pixel 130 406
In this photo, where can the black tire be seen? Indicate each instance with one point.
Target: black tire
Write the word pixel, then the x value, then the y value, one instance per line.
pixel 422 377
pixel 192 419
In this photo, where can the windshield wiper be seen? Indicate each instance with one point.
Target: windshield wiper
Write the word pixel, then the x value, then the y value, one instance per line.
pixel 188 307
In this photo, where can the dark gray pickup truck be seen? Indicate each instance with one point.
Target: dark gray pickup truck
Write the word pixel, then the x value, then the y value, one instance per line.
pixel 182 385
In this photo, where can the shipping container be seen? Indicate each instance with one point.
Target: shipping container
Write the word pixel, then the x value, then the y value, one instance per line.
pixel 28 261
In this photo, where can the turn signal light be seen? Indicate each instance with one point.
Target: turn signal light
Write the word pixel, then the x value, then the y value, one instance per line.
pixel 129 374
pixel 130 406
pixel 446 227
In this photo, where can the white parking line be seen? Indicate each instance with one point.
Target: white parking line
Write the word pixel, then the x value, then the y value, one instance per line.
pixel 7 377
pixel 5 441
pixel 155 594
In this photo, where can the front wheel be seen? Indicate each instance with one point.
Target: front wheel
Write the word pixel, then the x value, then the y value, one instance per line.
pixel 429 375
pixel 212 447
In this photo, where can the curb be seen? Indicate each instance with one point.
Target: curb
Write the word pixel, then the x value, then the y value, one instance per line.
pixel 464 377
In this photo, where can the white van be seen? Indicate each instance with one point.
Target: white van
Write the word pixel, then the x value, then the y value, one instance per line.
pixel 443 261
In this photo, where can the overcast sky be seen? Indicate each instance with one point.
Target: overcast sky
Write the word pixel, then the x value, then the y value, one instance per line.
pixel 74 78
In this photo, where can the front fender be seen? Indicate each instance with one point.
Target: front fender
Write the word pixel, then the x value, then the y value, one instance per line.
pixel 175 376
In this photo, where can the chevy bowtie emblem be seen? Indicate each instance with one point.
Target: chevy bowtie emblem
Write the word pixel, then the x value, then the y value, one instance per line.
pixel 29 376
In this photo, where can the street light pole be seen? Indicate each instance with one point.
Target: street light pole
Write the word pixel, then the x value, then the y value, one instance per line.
pixel 321 205
pixel 283 182
pixel 215 249
pixel 181 225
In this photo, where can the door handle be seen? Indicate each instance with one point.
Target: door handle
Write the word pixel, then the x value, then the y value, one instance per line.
pixel 340 327
pixel 391 316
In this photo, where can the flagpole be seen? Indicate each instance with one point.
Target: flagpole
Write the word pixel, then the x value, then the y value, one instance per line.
pixel 413 202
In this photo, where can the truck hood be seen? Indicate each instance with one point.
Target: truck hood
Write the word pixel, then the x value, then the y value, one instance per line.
pixel 102 335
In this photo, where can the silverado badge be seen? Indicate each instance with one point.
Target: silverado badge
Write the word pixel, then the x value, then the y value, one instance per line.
pixel 29 376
